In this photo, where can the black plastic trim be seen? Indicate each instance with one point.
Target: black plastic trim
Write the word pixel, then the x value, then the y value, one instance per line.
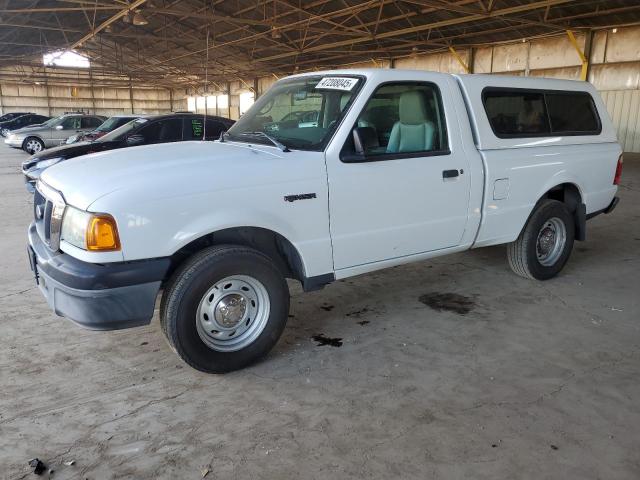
pixel 580 216
pixel 74 273
pixel 355 158
pixel 609 209
pixel 310 284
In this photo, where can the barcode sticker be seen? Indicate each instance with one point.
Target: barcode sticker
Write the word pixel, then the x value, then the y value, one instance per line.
pixel 337 83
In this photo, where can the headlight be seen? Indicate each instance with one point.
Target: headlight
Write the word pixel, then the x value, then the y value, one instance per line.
pixel 90 231
pixel 47 163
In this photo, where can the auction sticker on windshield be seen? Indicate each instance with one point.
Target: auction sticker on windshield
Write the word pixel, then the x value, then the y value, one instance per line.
pixel 337 83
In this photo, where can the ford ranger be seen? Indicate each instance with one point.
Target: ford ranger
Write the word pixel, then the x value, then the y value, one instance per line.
pixel 396 167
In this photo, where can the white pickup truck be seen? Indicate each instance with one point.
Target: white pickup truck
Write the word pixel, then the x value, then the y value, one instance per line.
pixel 397 166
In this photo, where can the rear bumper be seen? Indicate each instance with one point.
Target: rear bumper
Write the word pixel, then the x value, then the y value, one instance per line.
pixel 97 296
pixel 610 208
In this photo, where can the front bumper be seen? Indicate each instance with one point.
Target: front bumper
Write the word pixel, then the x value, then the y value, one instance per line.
pixel 15 142
pixel 96 296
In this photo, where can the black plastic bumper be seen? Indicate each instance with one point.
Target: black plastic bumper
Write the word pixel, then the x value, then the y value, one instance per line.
pixel 97 296
pixel 609 209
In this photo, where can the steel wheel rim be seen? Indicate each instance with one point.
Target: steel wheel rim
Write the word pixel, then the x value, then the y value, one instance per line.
pixel 233 313
pixel 34 146
pixel 551 240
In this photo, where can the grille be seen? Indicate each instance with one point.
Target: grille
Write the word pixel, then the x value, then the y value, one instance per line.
pixel 48 209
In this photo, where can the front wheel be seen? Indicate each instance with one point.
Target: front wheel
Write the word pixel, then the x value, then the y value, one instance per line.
pixel 33 145
pixel 545 243
pixel 224 308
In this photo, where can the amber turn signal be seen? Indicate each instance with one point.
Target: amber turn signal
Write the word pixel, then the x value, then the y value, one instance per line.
pixel 102 234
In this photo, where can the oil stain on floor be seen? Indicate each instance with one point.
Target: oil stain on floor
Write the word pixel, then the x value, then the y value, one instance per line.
pixel 450 302
pixel 322 340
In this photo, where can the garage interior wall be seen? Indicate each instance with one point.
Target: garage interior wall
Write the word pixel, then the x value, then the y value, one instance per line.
pixel 102 95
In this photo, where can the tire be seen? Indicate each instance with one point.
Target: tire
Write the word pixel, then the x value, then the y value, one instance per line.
pixel 32 145
pixel 540 252
pixel 217 290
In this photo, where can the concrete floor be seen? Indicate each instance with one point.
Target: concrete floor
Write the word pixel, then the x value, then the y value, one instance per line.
pixel 538 380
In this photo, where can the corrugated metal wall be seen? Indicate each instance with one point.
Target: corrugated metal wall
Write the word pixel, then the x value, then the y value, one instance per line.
pixel 22 89
pixel 624 109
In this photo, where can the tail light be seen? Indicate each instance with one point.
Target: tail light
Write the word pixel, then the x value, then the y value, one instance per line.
pixel 616 179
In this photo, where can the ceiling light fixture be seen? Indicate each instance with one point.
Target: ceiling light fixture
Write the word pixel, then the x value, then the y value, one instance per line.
pixel 615 30
pixel 275 33
pixel 139 20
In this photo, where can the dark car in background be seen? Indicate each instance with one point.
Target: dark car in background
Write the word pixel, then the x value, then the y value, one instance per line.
pixel 109 125
pixel 176 127
pixel 21 121
pixel 12 115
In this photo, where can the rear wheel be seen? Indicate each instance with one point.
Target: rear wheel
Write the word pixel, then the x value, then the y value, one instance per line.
pixel 33 145
pixel 224 308
pixel 545 243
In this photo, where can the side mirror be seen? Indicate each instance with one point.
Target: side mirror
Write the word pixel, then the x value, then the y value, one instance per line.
pixel 358 141
pixel 135 140
pixel 59 127
pixel 364 138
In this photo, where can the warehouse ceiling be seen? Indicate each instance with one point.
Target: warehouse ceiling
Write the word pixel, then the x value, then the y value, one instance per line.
pixel 179 43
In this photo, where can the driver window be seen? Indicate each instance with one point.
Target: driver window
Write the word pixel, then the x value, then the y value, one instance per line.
pixel 162 131
pixel 402 118
pixel 71 123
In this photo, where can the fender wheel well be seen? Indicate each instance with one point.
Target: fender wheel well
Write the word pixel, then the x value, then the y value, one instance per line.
pixel 24 142
pixel 270 243
pixel 569 194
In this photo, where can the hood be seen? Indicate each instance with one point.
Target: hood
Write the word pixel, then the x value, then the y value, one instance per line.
pixel 170 168
pixel 29 128
pixel 64 150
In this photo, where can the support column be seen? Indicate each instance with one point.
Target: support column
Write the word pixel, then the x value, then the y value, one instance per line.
pixel 93 97
pixel 131 93
pixel 459 59
pixel 228 100
pixel 171 99
pixel 256 84
pixel 46 88
pixel 584 71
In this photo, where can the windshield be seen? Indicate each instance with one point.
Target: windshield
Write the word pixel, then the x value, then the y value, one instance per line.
pixel 52 122
pixel 112 123
pixel 121 131
pixel 301 113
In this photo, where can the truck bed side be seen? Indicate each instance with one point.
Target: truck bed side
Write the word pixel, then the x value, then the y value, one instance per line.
pixel 520 171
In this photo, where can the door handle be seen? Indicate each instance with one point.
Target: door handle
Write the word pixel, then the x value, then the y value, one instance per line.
pixel 450 173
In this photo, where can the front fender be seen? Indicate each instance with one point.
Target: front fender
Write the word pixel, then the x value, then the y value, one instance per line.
pixel 160 228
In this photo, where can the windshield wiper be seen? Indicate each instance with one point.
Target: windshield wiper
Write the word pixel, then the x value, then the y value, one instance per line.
pixel 281 146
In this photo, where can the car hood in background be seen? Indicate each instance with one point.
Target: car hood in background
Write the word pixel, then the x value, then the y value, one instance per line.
pixel 30 128
pixel 171 169
pixel 65 151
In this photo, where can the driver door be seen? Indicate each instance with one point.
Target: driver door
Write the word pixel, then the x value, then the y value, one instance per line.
pixel 407 192
pixel 70 126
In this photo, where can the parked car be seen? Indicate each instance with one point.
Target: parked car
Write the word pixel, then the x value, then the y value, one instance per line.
pixel 21 121
pixel 53 132
pixel 466 161
pixel 140 131
pixel 11 115
pixel 107 126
